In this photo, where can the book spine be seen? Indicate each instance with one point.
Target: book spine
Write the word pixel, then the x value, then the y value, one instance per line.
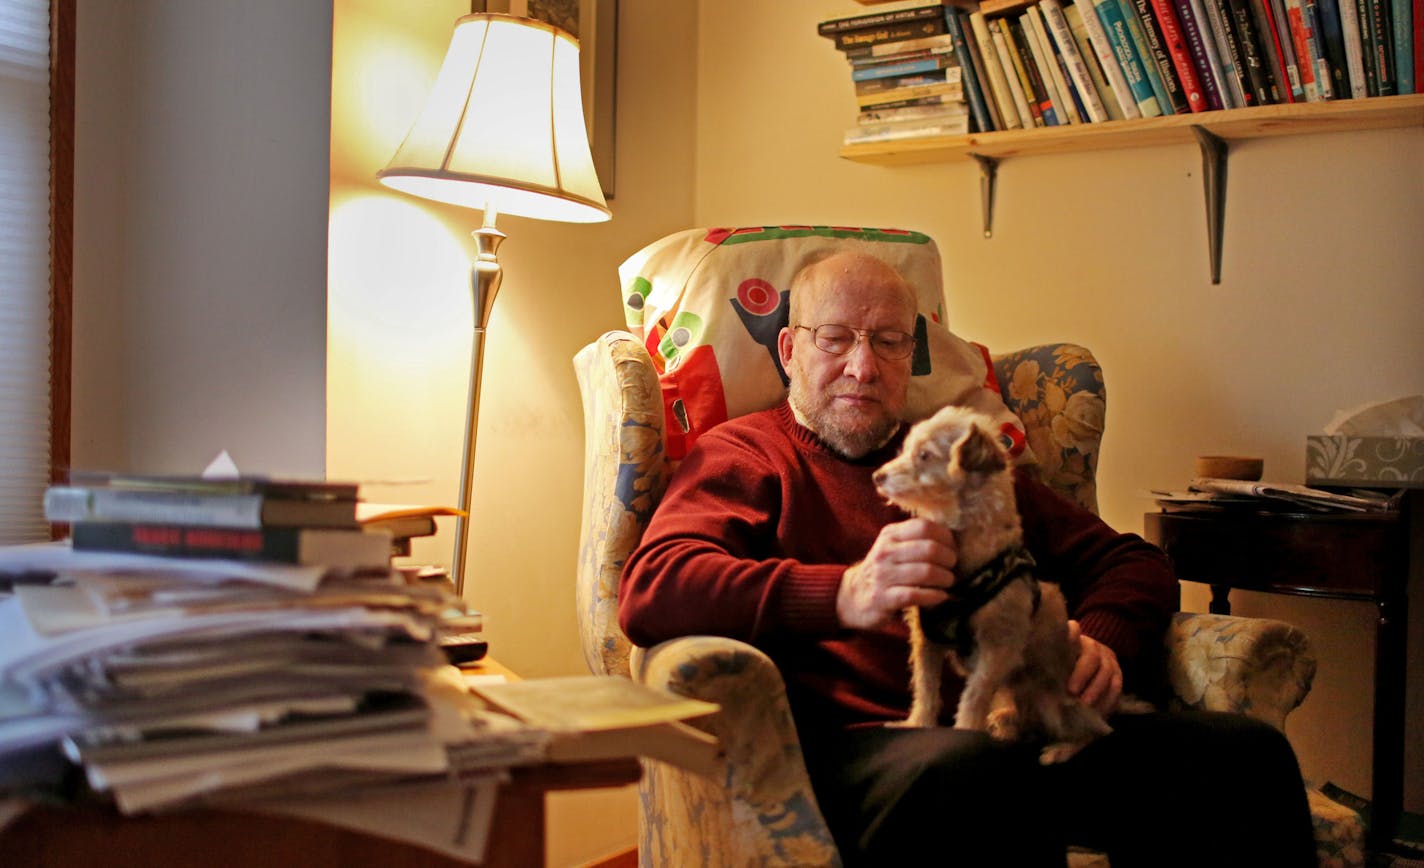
pixel 1354 48
pixel 900 94
pixel 1203 54
pixel 1227 53
pixel 917 112
pixel 878 19
pixel 1095 68
pixel 1078 109
pixel 1030 111
pixel 1332 40
pixel 1401 26
pixel 998 83
pixel 1318 65
pixel 270 544
pixel 1367 47
pixel 1292 58
pixel 1258 73
pixel 1287 80
pixel 971 70
pixel 1033 23
pixel 1110 14
pixel 1157 66
pixel 1383 44
pixel 914 79
pixel 1050 101
pixel 1174 37
pixel 939 43
pixel 72 504
pixel 1416 20
pixel 891 132
pixel 1035 90
pixel 891 70
pixel 1299 26
pixel 899 32
pixel 1107 58
pixel 1062 35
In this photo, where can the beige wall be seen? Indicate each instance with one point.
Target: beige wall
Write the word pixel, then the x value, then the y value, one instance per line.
pixel 1319 308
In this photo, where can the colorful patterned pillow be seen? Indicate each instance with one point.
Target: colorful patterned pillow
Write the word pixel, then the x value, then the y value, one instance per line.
pixel 708 305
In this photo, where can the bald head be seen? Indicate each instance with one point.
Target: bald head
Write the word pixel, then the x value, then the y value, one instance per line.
pixel 840 271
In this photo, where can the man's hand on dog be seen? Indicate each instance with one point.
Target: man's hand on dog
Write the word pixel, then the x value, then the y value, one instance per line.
pixel 910 564
pixel 1097 676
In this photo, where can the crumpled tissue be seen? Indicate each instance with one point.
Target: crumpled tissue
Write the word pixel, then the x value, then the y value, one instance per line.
pixel 1400 417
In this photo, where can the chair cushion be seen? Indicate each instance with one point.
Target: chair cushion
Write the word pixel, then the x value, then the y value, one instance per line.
pixel 708 305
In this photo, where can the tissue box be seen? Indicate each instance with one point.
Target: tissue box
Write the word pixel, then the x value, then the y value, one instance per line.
pixel 1345 459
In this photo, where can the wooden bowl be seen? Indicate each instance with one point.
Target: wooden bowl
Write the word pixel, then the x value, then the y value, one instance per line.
pixel 1229 467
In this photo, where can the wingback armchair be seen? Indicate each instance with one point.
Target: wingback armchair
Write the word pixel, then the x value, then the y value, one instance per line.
pixel 760 809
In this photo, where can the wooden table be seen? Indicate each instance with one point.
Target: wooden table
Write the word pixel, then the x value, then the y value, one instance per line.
pixel 1327 555
pixel 84 836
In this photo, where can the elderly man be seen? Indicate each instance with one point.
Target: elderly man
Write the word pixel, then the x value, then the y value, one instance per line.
pixel 772 532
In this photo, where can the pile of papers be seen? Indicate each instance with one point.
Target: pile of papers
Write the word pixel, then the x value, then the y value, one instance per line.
pixel 173 680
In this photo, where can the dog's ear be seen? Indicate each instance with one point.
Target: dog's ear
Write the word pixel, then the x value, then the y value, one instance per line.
pixel 979 452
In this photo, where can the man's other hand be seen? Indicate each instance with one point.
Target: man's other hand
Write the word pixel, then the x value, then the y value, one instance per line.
pixel 910 564
pixel 1097 676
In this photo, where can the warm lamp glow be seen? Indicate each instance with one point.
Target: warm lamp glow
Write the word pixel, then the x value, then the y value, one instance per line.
pixel 503 128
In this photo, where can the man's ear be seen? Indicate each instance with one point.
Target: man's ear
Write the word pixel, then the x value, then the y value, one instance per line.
pixel 784 343
pixel 980 452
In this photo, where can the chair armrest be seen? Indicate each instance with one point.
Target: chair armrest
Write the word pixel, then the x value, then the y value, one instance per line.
pixel 1255 666
pixel 774 814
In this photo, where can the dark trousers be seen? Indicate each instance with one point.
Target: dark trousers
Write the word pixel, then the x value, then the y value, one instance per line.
pixel 1165 789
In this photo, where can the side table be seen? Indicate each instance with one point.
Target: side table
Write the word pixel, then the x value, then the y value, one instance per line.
pixel 1351 556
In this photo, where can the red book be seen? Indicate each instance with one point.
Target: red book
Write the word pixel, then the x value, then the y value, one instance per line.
pixel 1181 55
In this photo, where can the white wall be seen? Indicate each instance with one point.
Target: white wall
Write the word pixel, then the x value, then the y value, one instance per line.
pixel 1319 307
pixel 200 234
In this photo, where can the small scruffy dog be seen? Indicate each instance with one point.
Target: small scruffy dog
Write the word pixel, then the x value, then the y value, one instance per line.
pixel 1003 629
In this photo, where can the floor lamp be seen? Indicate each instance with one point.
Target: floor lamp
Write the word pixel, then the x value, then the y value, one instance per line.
pixel 502 131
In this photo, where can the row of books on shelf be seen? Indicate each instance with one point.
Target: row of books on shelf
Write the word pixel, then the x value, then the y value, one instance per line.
pixel 945 69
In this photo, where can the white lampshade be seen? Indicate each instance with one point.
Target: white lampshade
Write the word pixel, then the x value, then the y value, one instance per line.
pixel 503 127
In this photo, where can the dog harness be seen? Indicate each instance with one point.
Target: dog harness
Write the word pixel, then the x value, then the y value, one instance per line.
pixel 948 622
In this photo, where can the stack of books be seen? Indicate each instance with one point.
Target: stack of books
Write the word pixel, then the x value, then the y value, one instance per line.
pixel 203 637
pixel 242 518
pixel 1035 63
pixel 906 73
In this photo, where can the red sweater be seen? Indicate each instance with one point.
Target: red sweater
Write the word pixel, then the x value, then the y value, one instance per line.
pixel 761 520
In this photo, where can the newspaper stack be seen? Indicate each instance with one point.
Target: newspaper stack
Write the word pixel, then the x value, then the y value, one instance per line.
pixel 174 680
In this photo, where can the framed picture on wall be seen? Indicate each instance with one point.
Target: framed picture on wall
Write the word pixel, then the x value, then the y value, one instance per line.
pixel 595 24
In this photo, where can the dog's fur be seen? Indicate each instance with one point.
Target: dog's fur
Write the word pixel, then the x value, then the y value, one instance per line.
pixel 953 470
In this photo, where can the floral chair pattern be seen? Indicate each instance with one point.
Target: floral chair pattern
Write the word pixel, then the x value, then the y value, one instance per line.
pixel 760 810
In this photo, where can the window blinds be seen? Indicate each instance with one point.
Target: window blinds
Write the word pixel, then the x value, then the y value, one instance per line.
pixel 24 269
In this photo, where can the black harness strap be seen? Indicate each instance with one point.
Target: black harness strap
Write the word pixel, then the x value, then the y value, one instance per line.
pixel 948 623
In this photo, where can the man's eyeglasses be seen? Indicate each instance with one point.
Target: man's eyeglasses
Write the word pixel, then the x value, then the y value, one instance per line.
pixel 888 344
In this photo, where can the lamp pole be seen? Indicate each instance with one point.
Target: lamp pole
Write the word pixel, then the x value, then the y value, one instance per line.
pixel 484 285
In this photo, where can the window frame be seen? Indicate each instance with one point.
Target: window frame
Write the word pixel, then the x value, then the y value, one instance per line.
pixel 62 25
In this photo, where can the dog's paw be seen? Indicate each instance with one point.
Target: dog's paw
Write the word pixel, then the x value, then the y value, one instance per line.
pixel 1003 724
pixel 1059 751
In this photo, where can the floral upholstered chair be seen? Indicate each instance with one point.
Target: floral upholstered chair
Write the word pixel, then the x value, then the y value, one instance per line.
pixel 640 417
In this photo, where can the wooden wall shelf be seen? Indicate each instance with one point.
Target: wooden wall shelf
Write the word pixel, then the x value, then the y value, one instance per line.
pixel 1232 125
pixel 1212 132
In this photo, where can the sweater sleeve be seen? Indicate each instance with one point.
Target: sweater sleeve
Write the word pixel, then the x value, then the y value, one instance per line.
pixel 710 562
pixel 1118 586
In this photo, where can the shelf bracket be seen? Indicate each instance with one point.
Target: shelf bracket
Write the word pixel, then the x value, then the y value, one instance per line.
pixel 988 173
pixel 1214 152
